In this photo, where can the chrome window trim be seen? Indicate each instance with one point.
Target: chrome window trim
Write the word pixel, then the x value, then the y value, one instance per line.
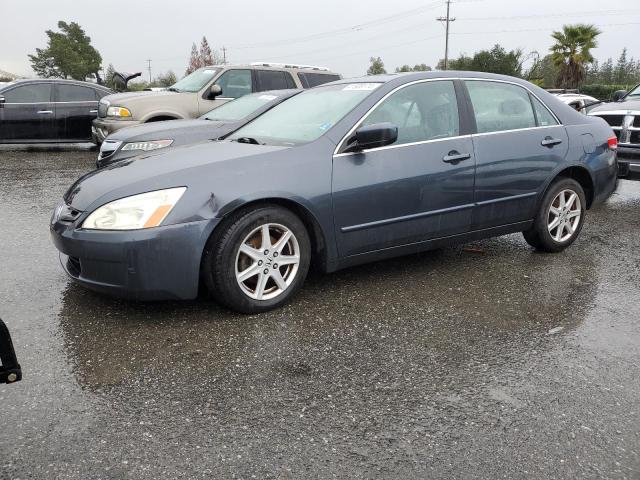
pixel 497 132
pixel 411 144
pixel 368 112
pixel 615 112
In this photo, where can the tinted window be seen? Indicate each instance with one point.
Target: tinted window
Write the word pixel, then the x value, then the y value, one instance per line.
pixel 75 93
pixel 309 80
pixel 542 114
pixel 424 111
pixel 306 116
pixel 500 106
pixel 272 80
pixel 35 93
pixel 235 83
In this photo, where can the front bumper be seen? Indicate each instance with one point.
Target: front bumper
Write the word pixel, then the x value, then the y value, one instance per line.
pixel 101 128
pixel 629 163
pixel 159 263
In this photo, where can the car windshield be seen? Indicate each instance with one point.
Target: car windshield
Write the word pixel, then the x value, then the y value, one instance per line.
pixel 306 116
pixel 240 108
pixel 195 81
pixel 635 92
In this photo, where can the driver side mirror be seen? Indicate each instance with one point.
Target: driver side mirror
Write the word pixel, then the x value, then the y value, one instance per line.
pixel 619 95
pixel 373 136
pixel 214 91
pixel 2 100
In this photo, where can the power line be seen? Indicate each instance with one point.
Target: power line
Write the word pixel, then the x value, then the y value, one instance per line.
pixel 341 31
pixel 551 15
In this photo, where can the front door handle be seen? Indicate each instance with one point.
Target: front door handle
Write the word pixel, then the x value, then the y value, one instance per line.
pixel 454 157
pixel 550 142
pixel 93 111
pixel 45 112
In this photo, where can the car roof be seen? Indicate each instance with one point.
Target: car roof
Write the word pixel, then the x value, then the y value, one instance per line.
pixel 277 66
pixel 23 81
pixel 404 76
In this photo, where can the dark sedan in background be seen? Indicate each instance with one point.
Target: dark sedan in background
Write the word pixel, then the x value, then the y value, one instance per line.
pixel 48 111
pixel 220 121
pixel 341 174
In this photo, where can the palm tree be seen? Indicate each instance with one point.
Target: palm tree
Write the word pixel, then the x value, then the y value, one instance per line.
pixel 572 51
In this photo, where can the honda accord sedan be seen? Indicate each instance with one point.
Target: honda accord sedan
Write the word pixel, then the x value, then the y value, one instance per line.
pixel 341 174
pixel 135 140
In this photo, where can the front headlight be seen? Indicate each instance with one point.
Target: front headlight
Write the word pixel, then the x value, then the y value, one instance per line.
pixel 145 210
pixel 119 112
pixel 147 146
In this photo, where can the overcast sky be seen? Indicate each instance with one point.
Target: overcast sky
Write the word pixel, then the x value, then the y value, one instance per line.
pixel 339 34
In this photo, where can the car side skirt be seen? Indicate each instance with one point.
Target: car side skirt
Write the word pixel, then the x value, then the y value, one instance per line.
pixel 431 244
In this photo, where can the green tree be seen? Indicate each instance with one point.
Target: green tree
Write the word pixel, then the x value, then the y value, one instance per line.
pixel 544 72
pixel 164 80
pixel 572 51
pixel 422 67
pixel 69 53
pixel 108 76
pixel 376 67
pixel 496 60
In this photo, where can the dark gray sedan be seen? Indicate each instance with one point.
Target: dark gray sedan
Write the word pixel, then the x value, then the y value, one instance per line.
pixel 132 141
pixel 345 173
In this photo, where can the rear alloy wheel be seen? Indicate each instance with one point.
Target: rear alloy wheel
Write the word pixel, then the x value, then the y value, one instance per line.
pixel 560 217
pixel 258 261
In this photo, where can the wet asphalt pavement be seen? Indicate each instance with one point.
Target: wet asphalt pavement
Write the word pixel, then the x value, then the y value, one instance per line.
pixel 490 362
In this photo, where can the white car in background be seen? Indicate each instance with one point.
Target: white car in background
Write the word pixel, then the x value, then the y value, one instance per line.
pixel 581 103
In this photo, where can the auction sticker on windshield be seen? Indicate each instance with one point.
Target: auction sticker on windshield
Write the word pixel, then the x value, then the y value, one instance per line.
pixel 362 86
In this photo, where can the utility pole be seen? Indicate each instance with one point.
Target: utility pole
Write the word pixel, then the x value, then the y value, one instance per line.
pixel 149 68
pixel 447 21
pixel 224 55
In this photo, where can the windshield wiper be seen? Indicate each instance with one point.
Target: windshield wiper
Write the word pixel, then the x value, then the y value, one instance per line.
pixel 250 140
pixel 173 89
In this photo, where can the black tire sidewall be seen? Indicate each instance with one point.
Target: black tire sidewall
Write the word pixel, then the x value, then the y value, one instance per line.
pixel 220 261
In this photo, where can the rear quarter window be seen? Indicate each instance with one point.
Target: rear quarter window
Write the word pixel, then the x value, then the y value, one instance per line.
pixel 310 80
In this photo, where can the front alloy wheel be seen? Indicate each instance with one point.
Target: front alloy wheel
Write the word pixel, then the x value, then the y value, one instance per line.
pixel 257 259
pixel 267 261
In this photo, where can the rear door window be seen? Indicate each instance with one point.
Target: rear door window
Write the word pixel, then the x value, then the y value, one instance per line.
pixel 235 83
pixel 75 93
pixel 273 80
pixel 543 115
pixel 500 106
pixel 34 93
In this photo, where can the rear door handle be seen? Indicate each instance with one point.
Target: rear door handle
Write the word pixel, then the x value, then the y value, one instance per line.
pixel 550 142
pixel 454 157
pixel 93 111
pixel 45 112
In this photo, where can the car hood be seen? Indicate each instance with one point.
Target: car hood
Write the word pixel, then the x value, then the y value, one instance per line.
pixel 182 166
pixel 613 106
pixel 170 129
pixel 119 98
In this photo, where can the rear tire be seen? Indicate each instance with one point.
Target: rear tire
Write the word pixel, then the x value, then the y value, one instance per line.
pixel 560 217
pixel 258 261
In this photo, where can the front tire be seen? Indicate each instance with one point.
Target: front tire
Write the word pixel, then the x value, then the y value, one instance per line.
pixel 560 217
pixel 258 261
